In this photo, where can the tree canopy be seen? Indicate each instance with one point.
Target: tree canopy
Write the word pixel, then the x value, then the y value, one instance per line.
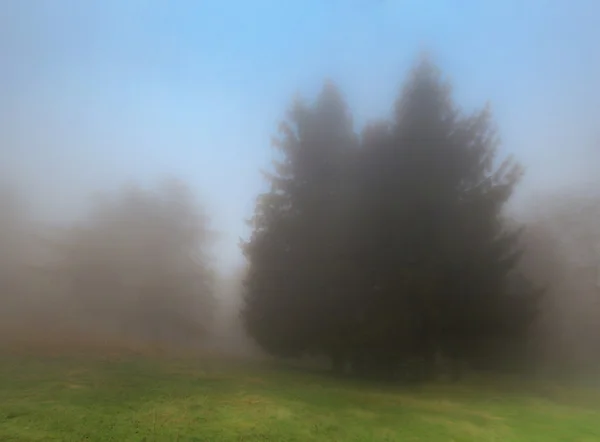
pixel 389 246
pixel 138 265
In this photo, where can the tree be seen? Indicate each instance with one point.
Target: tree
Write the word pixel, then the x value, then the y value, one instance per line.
pixel 292 285
pixel 563 254
pixel 392 249
pixel 138 265
pixel 14 254
pixel 440 252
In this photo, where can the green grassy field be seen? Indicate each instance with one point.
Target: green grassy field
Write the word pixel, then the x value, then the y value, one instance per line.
pixel 135 398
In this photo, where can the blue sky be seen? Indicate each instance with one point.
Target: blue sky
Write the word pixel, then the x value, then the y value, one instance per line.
pixel 98 92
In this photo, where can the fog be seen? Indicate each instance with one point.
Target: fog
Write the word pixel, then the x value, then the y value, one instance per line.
pixel 107 104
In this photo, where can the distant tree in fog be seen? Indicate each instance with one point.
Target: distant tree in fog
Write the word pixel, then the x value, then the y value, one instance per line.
pixel 14 242
pixel 563 253
pixel 138 265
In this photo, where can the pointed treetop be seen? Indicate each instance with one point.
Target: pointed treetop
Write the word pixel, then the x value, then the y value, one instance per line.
pixel 426 91
pixel 331 106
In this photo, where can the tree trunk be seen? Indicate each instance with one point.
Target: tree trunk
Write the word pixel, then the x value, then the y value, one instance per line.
pixel 338 363
pixel 456 370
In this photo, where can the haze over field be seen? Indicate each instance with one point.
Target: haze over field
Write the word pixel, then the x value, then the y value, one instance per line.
pixel 99 94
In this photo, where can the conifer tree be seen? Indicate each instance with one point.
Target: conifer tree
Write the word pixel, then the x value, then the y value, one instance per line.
pixel 292 290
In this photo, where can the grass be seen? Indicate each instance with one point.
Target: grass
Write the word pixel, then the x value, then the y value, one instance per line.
pixel 127 397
